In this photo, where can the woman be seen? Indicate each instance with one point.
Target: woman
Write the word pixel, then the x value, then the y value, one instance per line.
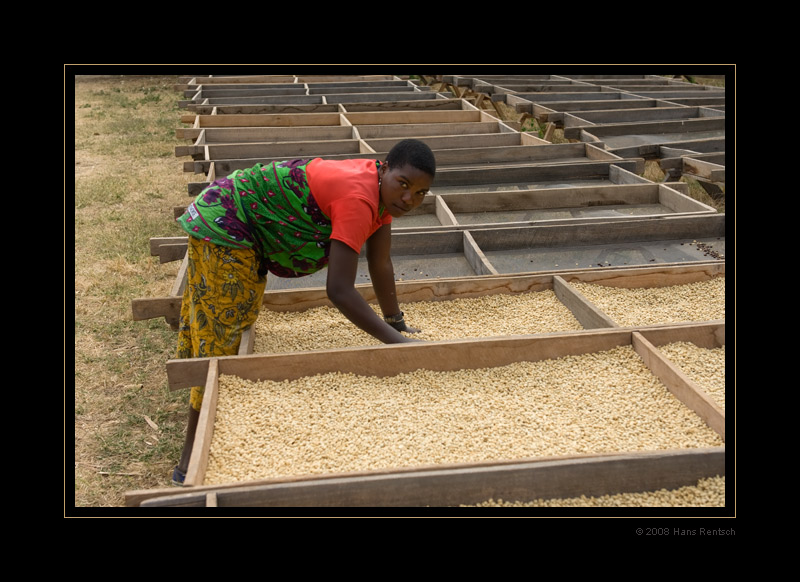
pixel 292 219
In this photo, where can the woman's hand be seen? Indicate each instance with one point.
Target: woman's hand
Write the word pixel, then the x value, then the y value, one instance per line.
pixel 399 323
pixel 340 287
pixel 405 328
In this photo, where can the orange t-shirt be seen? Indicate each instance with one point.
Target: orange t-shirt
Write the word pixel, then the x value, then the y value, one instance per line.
pixel 347 192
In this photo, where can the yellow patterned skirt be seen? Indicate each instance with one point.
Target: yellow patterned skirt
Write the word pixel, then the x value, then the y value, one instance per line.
pixel 221 300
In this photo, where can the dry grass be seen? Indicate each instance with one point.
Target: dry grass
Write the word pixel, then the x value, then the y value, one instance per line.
pixel 129 427
pixel 127 179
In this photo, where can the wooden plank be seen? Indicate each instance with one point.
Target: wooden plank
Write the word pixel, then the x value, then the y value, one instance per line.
pixel 428 101
pixel 390 359
pixel 627 174
pixel 173 252
pixel 283 150
pixel 505 157
pixel 424 131
pixel 693 92
pixel 306 105
pixel 443 212
pixel 229 79
pixel 196 471
pixel 647 277
pixel 192 150
pixel 246 90
pixel 247 342
pixel 594 152
pixel 233 135
pixel 373 93
pixel 152 307
pixel 666 150
pixel 476 258
pixel 450 177
pixel 680 203
pixel 158 242
pixel 564 102
pixel 699 100
pixel 707 336
pixel 186 373
pixel 677 156
pixel 684 389
pixel 263 120
pixel 569 198
pixel 355 118
pixel 704 169
pixel 474 154
pixel 180 280
pixel 585 135
pixel 589 316
pixel 658 128
pixel 245 93
pixel 615 116
pixel 463 141
pixel 551 478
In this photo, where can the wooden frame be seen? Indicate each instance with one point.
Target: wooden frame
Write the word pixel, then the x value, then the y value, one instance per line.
pixel 426 256
pixel 553 108
pixel 596 173
pixel 552 98
pixel 642 115
pixel 457 288
pixel 515 208
pixel 252 89
pixel 615 136
pixel 672 152
pixel 333 119
pixel 539 479
pixel 197 80
pixel 603 103
pixel 341 103
pixel 615 473
pixel 588 315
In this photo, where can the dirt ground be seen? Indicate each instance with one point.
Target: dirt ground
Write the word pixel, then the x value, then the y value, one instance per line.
pixel 128 427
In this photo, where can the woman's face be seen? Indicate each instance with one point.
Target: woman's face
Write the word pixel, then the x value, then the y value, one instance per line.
pixel 403 189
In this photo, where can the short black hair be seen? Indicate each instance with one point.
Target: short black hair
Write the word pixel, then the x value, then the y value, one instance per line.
pixel 413 152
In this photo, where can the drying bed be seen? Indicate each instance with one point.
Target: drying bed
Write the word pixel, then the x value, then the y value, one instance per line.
pixel 300 320
pixel 686 411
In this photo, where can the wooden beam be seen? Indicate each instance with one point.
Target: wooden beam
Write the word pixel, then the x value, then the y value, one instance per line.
pixel 676 381
pixel 589 316
pixel 476 258
pixel 196 472
pixel 451 486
